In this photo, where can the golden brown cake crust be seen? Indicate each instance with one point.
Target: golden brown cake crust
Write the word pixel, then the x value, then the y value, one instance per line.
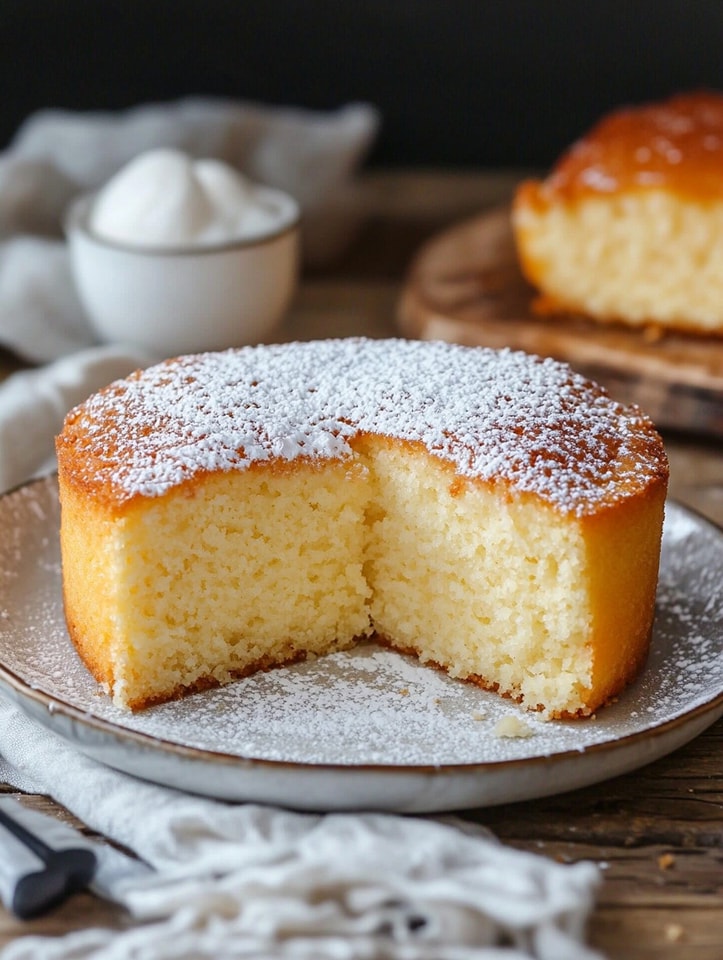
pixel 675 145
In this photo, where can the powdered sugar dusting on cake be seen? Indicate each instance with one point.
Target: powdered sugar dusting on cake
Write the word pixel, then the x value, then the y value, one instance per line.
pixel 497 416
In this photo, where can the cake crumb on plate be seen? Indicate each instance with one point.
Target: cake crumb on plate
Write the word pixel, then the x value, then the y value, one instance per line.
pixel 511 726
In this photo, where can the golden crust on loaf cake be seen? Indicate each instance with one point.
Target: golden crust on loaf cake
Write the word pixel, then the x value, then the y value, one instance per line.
pixel 628 226
pixel 492 512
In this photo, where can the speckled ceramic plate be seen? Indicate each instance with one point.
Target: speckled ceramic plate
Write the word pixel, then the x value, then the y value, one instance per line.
pixel 367 728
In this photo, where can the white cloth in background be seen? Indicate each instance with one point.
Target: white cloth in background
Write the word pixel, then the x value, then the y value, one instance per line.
pixel 41 317
pixel 242 881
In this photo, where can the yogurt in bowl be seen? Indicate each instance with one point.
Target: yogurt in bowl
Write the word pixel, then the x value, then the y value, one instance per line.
pixel 176 255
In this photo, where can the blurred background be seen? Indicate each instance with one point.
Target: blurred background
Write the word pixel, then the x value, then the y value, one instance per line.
pixel 459 83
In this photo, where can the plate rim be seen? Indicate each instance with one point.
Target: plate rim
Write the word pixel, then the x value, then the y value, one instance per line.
pixel 100 725
pixel 22 689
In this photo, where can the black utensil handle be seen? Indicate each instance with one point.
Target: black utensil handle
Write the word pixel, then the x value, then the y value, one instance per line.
pixel 65 873
pixel 42 860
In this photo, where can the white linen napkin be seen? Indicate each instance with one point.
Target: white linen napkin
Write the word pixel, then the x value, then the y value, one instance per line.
pixel 243 881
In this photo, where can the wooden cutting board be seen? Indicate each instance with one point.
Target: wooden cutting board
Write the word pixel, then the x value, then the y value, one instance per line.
pixel 465 286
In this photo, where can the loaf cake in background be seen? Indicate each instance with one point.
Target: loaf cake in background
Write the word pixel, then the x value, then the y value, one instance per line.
pixel 628 226
pixel 490 512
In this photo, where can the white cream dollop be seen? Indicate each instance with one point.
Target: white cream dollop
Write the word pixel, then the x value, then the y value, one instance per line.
pixel 166 199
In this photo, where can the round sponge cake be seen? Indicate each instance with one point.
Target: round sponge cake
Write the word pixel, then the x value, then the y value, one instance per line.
pixel 491 512
pixel 628 226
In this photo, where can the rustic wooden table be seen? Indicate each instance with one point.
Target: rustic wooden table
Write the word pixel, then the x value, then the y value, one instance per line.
pixel 658 833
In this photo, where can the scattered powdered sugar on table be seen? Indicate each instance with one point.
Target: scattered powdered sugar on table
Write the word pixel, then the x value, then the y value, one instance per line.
pixel 370 705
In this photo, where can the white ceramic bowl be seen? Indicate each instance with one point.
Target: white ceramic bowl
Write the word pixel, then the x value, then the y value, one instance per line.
pixel 186 299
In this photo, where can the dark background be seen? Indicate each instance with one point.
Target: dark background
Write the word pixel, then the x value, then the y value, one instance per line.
pixel 459 83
